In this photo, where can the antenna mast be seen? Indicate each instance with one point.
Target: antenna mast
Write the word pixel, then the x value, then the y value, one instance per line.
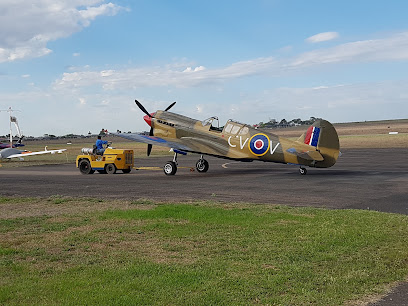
pixel 12 120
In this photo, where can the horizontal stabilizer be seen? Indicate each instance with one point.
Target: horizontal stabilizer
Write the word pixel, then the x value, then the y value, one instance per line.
pixel 308 155
pixel 311 155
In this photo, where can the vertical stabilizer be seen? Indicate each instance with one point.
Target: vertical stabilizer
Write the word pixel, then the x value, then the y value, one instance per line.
pixel 323 136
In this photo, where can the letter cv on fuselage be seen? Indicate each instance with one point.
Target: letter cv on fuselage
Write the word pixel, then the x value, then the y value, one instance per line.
pixel 317 147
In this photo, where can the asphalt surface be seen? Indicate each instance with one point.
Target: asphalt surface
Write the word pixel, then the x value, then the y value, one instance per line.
pixel 375 179
pixel 363 179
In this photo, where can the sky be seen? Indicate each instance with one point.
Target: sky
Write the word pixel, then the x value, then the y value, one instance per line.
pixel 77 66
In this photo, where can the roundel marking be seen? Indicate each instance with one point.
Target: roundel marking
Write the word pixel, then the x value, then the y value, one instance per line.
pixel 259 144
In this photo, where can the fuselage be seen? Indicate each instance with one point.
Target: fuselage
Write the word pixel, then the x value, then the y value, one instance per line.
pixel 240 141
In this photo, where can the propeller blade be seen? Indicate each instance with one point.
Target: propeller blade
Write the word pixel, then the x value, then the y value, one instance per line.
pixel 170 106
pixel 150 146
pixel 142 108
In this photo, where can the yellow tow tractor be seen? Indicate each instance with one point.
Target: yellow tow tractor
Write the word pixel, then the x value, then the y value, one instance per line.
pixel 110 161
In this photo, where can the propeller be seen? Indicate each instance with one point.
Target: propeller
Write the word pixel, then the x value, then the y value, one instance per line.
pixel 150 146
pixel 143 109
pixel 170 106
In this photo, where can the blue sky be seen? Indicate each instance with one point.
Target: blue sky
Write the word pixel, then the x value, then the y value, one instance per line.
pixel 77 66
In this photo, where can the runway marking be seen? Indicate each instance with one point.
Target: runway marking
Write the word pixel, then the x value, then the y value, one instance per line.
pixel 157 168
pixel 148 168
pixel 225 165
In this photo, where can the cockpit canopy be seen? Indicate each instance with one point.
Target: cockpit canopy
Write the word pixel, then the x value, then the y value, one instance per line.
pixel 236 128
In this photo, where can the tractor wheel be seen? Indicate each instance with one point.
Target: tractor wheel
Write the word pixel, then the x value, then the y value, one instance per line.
pixel 85 167
pixel 202 165
pixel 110 168
pixel 127 170
pixel 170 168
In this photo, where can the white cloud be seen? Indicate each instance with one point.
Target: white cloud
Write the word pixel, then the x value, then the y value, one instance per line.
pixel 189 69
pixel 82 101
pixel 76 54
pixel 392 48
pixel 326 36
pixel 163 76
pixel 28 27
pixel 199 109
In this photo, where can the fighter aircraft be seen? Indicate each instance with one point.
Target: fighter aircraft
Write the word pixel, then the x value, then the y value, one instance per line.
pixel 318 147
pixel 8 151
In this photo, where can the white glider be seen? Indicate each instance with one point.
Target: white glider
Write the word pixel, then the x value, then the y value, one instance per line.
pixel 12 153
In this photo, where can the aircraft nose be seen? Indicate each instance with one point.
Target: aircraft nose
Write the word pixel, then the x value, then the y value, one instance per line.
pixel 148 119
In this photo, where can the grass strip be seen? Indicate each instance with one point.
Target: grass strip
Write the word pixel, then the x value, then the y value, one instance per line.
pixel 200 253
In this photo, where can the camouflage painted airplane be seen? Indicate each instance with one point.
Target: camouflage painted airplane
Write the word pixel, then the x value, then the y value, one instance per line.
pixel 318 147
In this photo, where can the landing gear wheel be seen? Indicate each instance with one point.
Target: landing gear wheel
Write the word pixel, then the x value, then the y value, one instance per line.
pixel 126 170
pixel 110 168
pixel 302 171
pixel 170 168
pixel 85 167
pixel 202 165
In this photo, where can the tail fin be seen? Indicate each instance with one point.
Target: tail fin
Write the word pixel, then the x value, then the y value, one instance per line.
pixel 323 136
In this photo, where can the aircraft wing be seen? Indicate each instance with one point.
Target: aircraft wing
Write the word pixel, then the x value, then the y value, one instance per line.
pixel 23 154
pixel 187 144
pixel 153 140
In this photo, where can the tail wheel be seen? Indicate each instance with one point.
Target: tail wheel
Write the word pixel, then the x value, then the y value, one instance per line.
pixel 202 165
pixel 85 167
pixel 110 168
pixel 170 168
pixel 302 171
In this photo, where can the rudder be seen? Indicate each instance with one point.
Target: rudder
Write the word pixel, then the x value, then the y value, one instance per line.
pixel 323 136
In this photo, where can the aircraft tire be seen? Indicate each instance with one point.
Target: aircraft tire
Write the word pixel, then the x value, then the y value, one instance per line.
pixel 170 168
pixel 202 165
pixel 85 167
pixel 110 168
pixel 302 171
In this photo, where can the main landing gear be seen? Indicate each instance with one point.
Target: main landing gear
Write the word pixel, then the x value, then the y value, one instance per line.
pixel 170 168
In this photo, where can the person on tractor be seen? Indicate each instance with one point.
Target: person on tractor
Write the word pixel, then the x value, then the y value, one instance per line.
pixel 99 146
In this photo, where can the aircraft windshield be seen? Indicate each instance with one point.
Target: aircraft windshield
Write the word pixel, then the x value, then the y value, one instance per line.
pixel 209 121
pixel 211 124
